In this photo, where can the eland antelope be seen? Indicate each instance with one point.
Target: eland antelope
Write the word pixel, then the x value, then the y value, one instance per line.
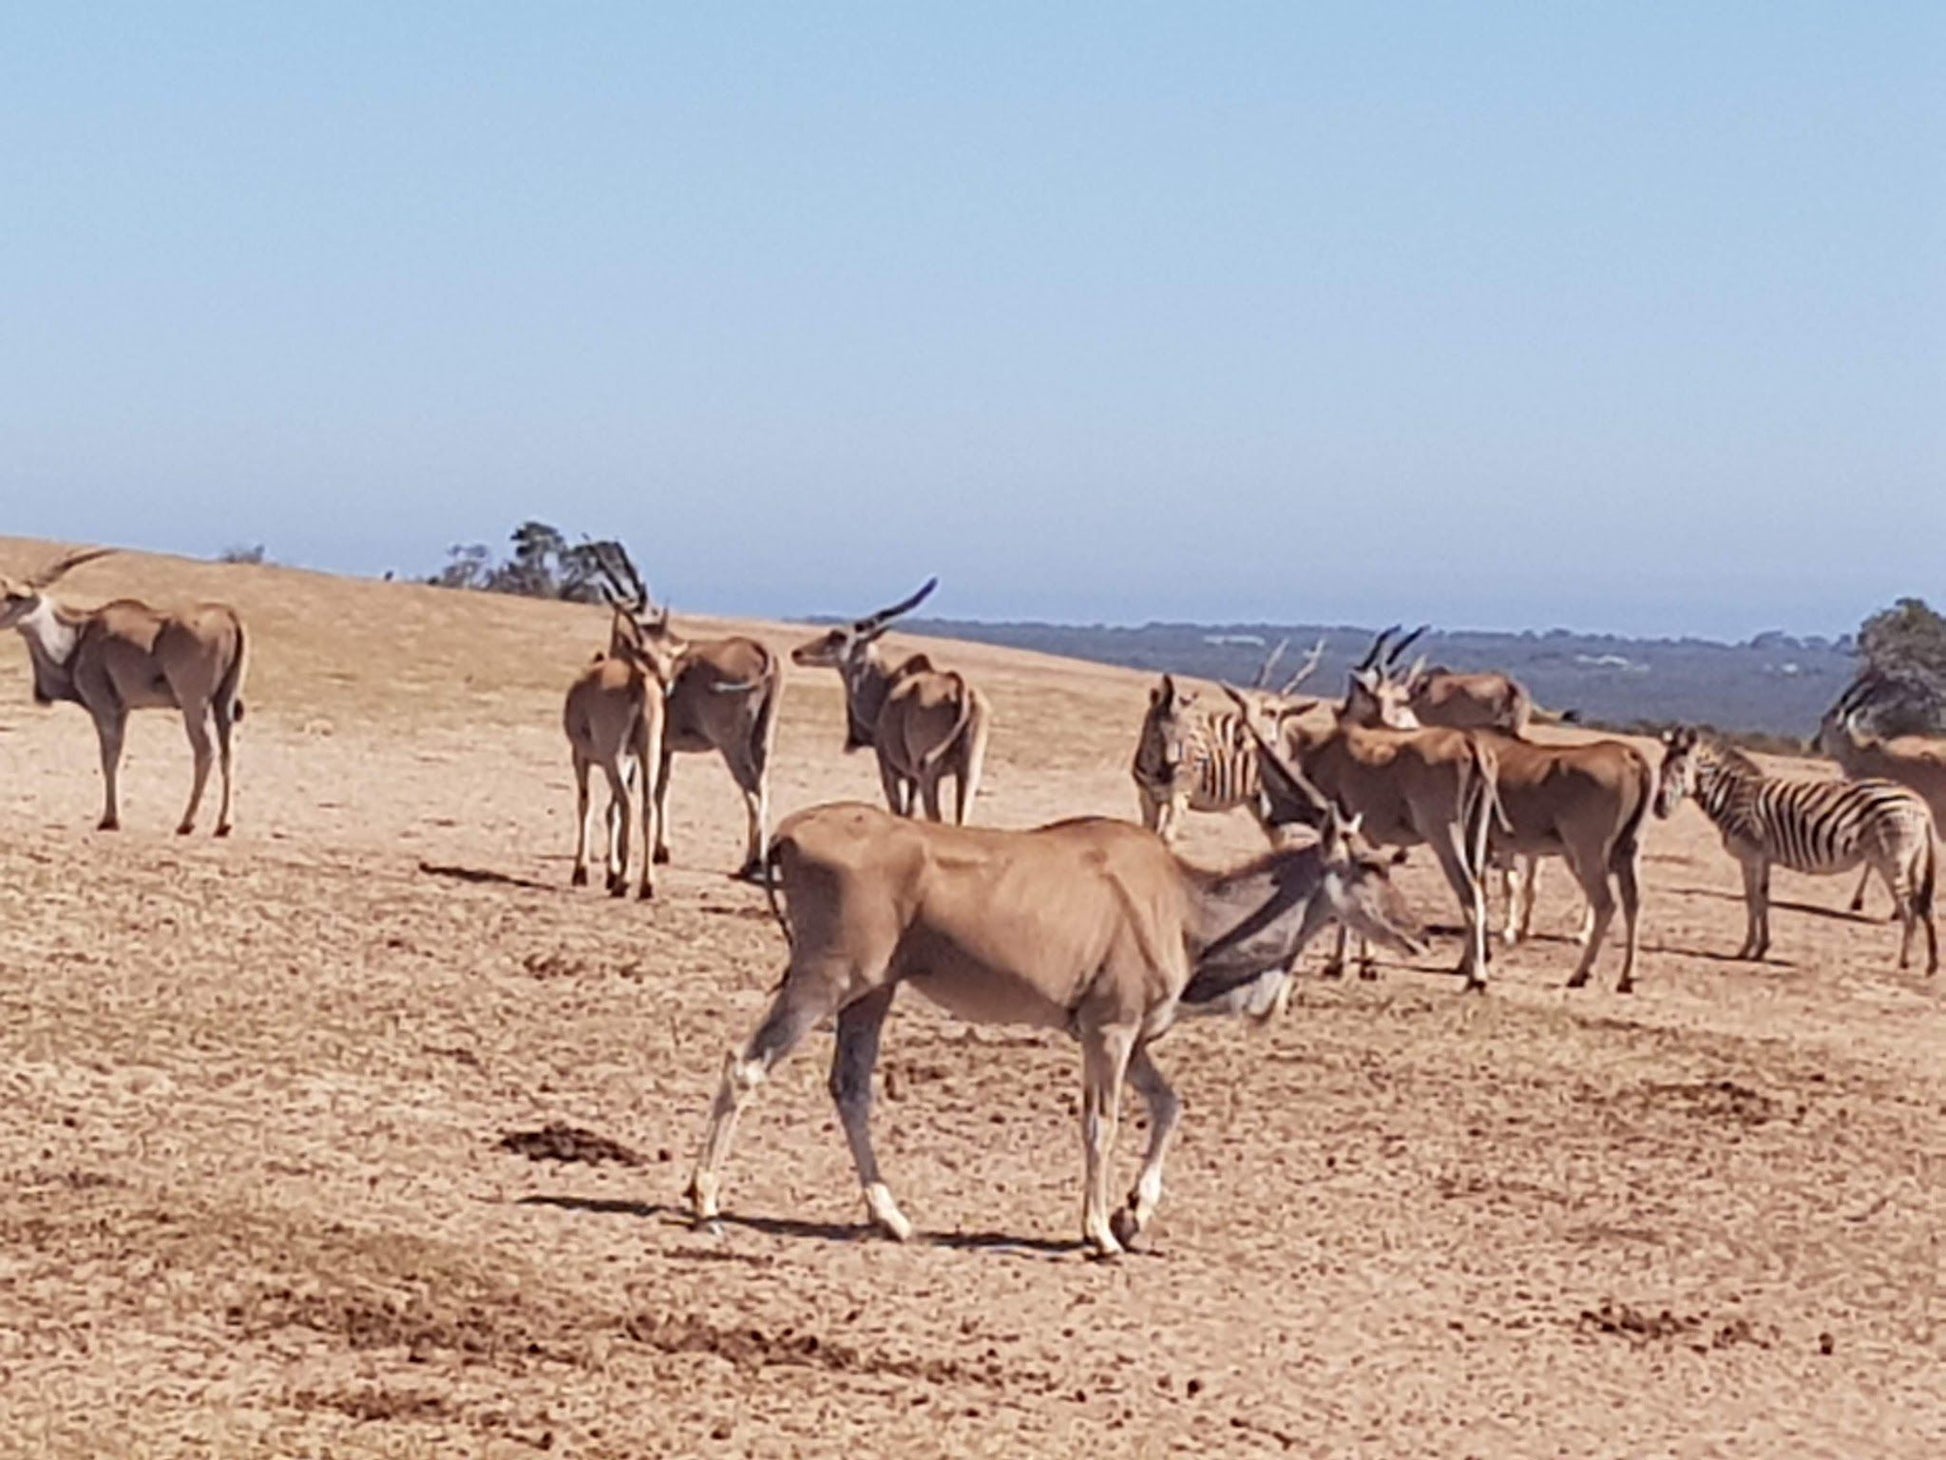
pixel 1407 787
pixel 1586 804
pixel 1821 827
pixel 127 656
pixel 1188 758
pixel 720 695
pixel 614 717
pixel 1917 761
pixel 923 724
pixel 1089 926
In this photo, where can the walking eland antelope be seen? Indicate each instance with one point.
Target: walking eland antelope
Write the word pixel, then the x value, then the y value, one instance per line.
pixel 126 656
pixel 923 724
pixel 1089 926
pixel 614 717
pixel 1823 827
pixel 1188 758
pixel 720 695
pixel 1912 760
pixel 1408 787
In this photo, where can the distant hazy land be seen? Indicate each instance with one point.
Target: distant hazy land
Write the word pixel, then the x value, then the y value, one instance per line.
pixel 1774 684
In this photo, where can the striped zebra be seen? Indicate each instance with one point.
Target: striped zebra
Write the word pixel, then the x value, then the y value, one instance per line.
pixel 1192 759
pixel 1825 827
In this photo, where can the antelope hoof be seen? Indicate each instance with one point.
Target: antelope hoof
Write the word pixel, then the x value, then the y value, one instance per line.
pixel 223 830
pixel 885 1213
pixel 1102 1247
pixel 578 878
pixel 1474 985
pixel 617 886
pixel 109 823
pixel 749 872
pixel 1368 972
pixel 185 828
pixel 1626 986
pixel 1579 980
pixel 1333 969
pixel 647 894
pixel 701 1197
pixel 1126 1227
pixel 661 856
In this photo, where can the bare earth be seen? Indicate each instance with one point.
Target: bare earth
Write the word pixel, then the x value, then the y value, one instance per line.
pixel 256 1200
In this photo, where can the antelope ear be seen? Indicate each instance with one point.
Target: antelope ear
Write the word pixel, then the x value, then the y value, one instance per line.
pixel 1164 693
pixel 1399 854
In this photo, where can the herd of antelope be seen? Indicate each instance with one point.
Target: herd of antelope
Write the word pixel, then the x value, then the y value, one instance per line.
pixel 1092 926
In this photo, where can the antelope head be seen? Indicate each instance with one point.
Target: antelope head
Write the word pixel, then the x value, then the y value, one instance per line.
pixel 845 646
pixel 1356 885
pixel 1840 729
pixel 1377 696
pixel 629 596
pixel 20 597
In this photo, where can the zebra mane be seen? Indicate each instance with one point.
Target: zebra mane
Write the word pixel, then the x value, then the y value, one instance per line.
pixel 1728 755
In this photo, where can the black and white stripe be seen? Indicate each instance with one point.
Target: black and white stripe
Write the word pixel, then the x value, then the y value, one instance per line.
pixel 1819 827
pixel 1191 759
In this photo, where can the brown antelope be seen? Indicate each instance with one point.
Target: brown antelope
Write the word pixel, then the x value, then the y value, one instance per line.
pixel 614 719
pixel 127 656
pixel 1441 696
pixel 1917 761
pixel 923 724
pixel 1821 827
pixel 1191 759
pixel 1089 926
pixel 1487 701
pixel 720 695
pixel 1407 787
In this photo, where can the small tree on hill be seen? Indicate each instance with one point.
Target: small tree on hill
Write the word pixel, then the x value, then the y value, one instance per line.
pixel 1904 649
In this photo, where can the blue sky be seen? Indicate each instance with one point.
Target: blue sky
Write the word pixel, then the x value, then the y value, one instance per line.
pixel 1618 317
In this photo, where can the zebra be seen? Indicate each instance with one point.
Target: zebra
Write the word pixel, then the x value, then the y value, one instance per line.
pixel 1825 827
pixel 1189 759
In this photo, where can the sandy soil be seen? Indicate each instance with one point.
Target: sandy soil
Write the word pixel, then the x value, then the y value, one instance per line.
pixel 259 1195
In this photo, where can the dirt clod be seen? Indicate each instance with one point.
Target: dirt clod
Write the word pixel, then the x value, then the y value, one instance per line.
pixel 558 1141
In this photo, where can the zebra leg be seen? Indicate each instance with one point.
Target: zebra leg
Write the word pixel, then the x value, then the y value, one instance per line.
pixel 1864 881
pixel 1756 902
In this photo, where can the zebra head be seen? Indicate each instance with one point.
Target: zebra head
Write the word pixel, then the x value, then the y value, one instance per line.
pixel 1166 732
pixel 1683 767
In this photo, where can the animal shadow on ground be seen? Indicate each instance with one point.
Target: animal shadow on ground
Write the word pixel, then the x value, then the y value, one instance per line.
pixel 1836 914
pixel 485 876
pixel 1002 1242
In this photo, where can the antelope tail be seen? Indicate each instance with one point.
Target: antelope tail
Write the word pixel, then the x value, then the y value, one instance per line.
pixel 771 854
pixel 229 689
pixel 965 718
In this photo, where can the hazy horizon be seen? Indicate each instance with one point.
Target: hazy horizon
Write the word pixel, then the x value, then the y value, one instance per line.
pixel 1623 322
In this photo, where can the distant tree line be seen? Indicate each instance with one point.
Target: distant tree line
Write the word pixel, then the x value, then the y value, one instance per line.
pixel 544 564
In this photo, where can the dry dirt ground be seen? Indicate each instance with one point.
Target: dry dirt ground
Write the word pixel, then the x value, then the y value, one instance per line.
pixel 276 1175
